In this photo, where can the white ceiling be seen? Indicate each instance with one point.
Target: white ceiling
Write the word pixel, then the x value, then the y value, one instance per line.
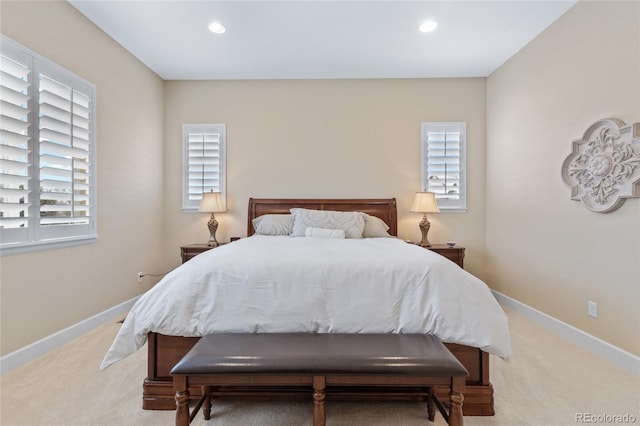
pixel 322 39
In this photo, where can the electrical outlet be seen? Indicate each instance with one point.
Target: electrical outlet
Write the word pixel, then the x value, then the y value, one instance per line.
pixel 592 309
pixel 140 275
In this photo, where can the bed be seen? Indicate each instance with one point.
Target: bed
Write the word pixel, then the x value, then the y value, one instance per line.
pixel 169 338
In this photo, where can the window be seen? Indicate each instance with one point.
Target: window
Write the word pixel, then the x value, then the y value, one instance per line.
pixel 47 153
pixel 444 164
pixel 203 156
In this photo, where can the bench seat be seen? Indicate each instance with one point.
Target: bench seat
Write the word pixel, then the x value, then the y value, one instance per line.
pixel 317 361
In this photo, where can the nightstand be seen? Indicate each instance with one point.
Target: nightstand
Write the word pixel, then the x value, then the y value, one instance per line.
pixel 454 254
pixel 192 250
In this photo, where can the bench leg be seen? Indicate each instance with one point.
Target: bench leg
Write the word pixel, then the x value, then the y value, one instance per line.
pixel 456 398
pixel 182 400
pixel 206 408
pixel 431 405
pixel 318 401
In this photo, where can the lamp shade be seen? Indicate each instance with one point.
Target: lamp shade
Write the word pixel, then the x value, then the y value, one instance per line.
pixel 212 202
pixel 425 202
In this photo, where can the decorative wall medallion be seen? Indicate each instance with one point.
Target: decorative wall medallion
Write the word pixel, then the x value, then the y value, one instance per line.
pixel 604 167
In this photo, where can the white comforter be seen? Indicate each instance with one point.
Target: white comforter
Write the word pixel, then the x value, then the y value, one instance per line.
pixel 284 284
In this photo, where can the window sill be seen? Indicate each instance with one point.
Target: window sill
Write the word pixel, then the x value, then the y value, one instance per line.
pixel 453 209
pixel 12 249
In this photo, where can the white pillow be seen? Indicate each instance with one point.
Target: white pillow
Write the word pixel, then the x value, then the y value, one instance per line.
pixel 324 233
pixel 273 224
pixel 352 223
pixel 375 227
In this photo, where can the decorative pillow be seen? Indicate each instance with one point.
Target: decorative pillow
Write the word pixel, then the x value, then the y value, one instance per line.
pixel 352 223
pixel 273 224
pixel 374 227
pixel 324 233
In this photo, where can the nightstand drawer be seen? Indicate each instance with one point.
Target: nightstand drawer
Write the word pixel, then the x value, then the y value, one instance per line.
pixel 192 250
pixel 454 254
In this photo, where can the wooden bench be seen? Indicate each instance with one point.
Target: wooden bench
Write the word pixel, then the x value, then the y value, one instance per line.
pixel 319 362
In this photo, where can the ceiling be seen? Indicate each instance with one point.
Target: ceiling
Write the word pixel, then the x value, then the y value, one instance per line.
pixel 322 39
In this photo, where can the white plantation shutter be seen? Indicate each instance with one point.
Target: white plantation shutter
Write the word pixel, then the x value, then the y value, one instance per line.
pixel 65 173
pixel 48 152
pixel 443 163
pixel 15 114
pixel 204 162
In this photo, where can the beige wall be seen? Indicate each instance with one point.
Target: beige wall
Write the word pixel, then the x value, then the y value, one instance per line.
pixel 546 250
pixel 325 138
pixel 44 292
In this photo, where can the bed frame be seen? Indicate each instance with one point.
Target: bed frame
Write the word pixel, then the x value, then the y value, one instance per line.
pixel 165 351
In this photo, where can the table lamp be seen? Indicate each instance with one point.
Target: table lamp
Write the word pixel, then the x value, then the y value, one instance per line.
pixel 212 202
pixel 425 202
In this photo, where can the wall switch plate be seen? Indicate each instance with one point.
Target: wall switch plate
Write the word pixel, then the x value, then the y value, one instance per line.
pixel 592 309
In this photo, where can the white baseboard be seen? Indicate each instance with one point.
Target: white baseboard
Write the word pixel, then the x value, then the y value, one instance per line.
pixel 618 356
pixel 30 352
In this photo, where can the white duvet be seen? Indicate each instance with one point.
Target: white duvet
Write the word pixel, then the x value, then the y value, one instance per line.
pixel 285 284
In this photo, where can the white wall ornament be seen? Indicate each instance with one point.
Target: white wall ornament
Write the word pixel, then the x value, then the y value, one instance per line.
pixel 604 168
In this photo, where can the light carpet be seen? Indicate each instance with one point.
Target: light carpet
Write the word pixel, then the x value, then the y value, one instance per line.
pixel 550 381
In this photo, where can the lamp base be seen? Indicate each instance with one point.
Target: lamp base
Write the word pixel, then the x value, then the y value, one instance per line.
pixel 424 228
pixel 213 227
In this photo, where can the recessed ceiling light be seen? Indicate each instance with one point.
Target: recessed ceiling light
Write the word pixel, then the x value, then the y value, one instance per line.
pixel 428 26
pixel 217 28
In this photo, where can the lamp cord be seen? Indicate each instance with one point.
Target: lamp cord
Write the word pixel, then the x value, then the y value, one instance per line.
pixel 155 275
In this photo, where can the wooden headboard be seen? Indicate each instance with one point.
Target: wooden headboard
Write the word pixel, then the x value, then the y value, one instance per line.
pixel 384 208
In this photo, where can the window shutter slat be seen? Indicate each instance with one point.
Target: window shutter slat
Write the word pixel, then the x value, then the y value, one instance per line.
pixel 53 100
pixel 14 68
pixel 16 112
pixel 81 102
pixel 12 125
pixel 12 97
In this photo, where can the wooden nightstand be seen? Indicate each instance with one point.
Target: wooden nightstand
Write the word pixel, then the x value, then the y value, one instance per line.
pixel 454 254
pixel 192 250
